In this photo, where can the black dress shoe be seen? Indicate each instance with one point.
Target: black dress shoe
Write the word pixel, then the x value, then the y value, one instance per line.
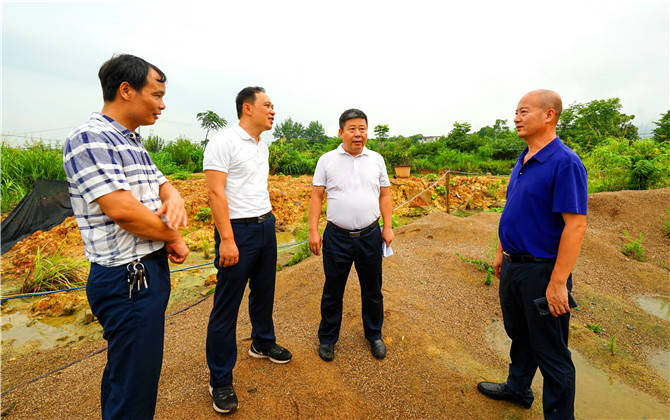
pixel 378 349
pixel 327 352
pixel 500 392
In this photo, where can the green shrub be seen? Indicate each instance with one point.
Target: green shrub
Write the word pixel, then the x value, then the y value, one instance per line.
pixel 181 175
pixel 633 248
pixel 153 144
pixel 431 177
pixel 441 189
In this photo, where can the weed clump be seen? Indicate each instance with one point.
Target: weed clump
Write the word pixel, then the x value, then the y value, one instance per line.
pixel 54 272
pixel 633 248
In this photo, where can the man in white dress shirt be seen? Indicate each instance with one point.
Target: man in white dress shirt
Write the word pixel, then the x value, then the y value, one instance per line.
pixel 236 168
pixel 358 190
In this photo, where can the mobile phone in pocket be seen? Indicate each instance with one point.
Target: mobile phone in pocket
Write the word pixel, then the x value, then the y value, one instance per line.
pixel 543 307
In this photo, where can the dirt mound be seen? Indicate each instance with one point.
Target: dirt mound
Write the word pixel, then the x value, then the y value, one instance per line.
pixel 58 304
pixel 437 314
pixel 290 200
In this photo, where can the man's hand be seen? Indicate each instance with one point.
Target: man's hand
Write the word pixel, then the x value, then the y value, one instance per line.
pixel 315 242
pixel 557 297
pixel 228 253
pixel 497 262
pixel 387 235
pixel 174 211
pixel 177 250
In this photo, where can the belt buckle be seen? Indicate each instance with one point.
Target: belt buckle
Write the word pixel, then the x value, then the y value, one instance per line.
pixel 263 218
pixel 507 256
pixel 356 234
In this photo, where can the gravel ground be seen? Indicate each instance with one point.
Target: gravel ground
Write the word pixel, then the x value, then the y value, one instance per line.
pixel 437 313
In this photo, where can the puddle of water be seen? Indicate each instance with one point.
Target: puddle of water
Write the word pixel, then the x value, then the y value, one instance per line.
pixel 22 334
pixel 656 305
pixel 598 395
pixel 660 361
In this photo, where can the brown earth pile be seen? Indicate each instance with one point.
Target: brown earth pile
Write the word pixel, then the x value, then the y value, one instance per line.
pixel 437 314
pixel 290 199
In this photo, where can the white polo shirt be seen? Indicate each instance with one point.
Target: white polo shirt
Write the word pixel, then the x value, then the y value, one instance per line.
pixel 352 186
pixel 236 153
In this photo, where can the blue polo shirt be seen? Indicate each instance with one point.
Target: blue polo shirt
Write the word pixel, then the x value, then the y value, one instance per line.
pixel 550 183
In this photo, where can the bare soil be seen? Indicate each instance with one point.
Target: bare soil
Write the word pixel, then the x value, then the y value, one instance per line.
pixel 437 314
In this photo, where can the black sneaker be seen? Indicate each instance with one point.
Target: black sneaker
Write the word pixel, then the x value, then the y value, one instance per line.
pixel 225 400
pixel 277 353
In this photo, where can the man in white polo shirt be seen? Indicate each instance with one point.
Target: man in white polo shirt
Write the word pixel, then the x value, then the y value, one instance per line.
pixel 236 168
pixel 357 188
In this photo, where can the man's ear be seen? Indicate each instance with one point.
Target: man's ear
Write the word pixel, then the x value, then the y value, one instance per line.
pixel 125 91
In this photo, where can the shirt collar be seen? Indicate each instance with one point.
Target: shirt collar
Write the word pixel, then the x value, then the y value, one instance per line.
pixel 364 152
pixel 545 152
pixel 243 133
pixel 118 127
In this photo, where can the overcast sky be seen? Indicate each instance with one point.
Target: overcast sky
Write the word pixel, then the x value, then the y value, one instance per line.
pixel 417 66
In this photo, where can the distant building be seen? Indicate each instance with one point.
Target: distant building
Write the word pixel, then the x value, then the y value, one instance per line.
pixel 428 139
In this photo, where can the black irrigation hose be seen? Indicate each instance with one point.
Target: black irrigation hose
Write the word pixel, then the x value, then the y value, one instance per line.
pixel 101 350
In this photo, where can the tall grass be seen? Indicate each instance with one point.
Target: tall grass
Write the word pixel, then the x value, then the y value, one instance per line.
pixel 54 272
pixel 21 166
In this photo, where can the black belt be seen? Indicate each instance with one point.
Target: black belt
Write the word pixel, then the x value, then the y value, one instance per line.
pixel 355 233
pixel 526 258
pixel 161 253
pixel 259 219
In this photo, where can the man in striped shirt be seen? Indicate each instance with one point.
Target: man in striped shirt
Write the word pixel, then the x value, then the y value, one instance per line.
pixel 128 214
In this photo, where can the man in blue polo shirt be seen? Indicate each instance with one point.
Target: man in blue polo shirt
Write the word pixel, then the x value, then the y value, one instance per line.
pixel 128 214
pixel 541 231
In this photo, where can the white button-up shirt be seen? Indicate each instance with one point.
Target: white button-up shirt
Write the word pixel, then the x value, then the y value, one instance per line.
pixel 236 153
pixel 352 186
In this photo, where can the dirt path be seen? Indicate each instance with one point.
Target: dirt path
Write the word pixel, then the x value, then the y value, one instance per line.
pixel 438 313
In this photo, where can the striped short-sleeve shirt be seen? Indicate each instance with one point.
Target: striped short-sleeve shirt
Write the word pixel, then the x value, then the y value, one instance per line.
pixel 100 157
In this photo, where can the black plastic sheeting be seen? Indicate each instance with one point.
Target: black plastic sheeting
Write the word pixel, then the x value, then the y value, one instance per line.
pixel 45 207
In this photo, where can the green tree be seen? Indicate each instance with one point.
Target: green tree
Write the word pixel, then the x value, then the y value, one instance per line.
pixel 209 120
pixel 662 130
pixel 381 134
pixel 289 129
pixel 314 133
pixel 587 125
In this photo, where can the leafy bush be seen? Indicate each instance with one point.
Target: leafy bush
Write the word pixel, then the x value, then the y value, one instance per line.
pixel 153 144
pixel 441 189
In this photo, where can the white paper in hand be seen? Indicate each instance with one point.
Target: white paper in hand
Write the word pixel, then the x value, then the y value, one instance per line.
pixel 386 250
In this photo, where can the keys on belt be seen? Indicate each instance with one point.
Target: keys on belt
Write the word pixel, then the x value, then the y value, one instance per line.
pixel 136 277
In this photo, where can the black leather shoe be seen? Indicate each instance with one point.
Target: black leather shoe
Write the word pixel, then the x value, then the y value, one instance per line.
pixel 327 352
pixel 500 392
pixel 378 349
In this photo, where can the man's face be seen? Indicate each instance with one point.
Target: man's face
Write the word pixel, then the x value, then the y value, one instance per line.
pixel 531 118
pixel 354 135
pixel 262 111
pixel 147 103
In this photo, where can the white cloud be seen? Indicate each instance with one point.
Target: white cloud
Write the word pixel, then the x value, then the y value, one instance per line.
pixel 416 66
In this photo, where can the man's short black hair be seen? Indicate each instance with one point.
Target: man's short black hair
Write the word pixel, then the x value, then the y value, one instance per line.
pixel 125 68
pixel 350 114
pixel 246 95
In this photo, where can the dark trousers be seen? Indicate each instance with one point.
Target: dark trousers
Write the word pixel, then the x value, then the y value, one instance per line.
pixel 339 251
pixel 257 245
pixel 133 328
pixel 537 341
